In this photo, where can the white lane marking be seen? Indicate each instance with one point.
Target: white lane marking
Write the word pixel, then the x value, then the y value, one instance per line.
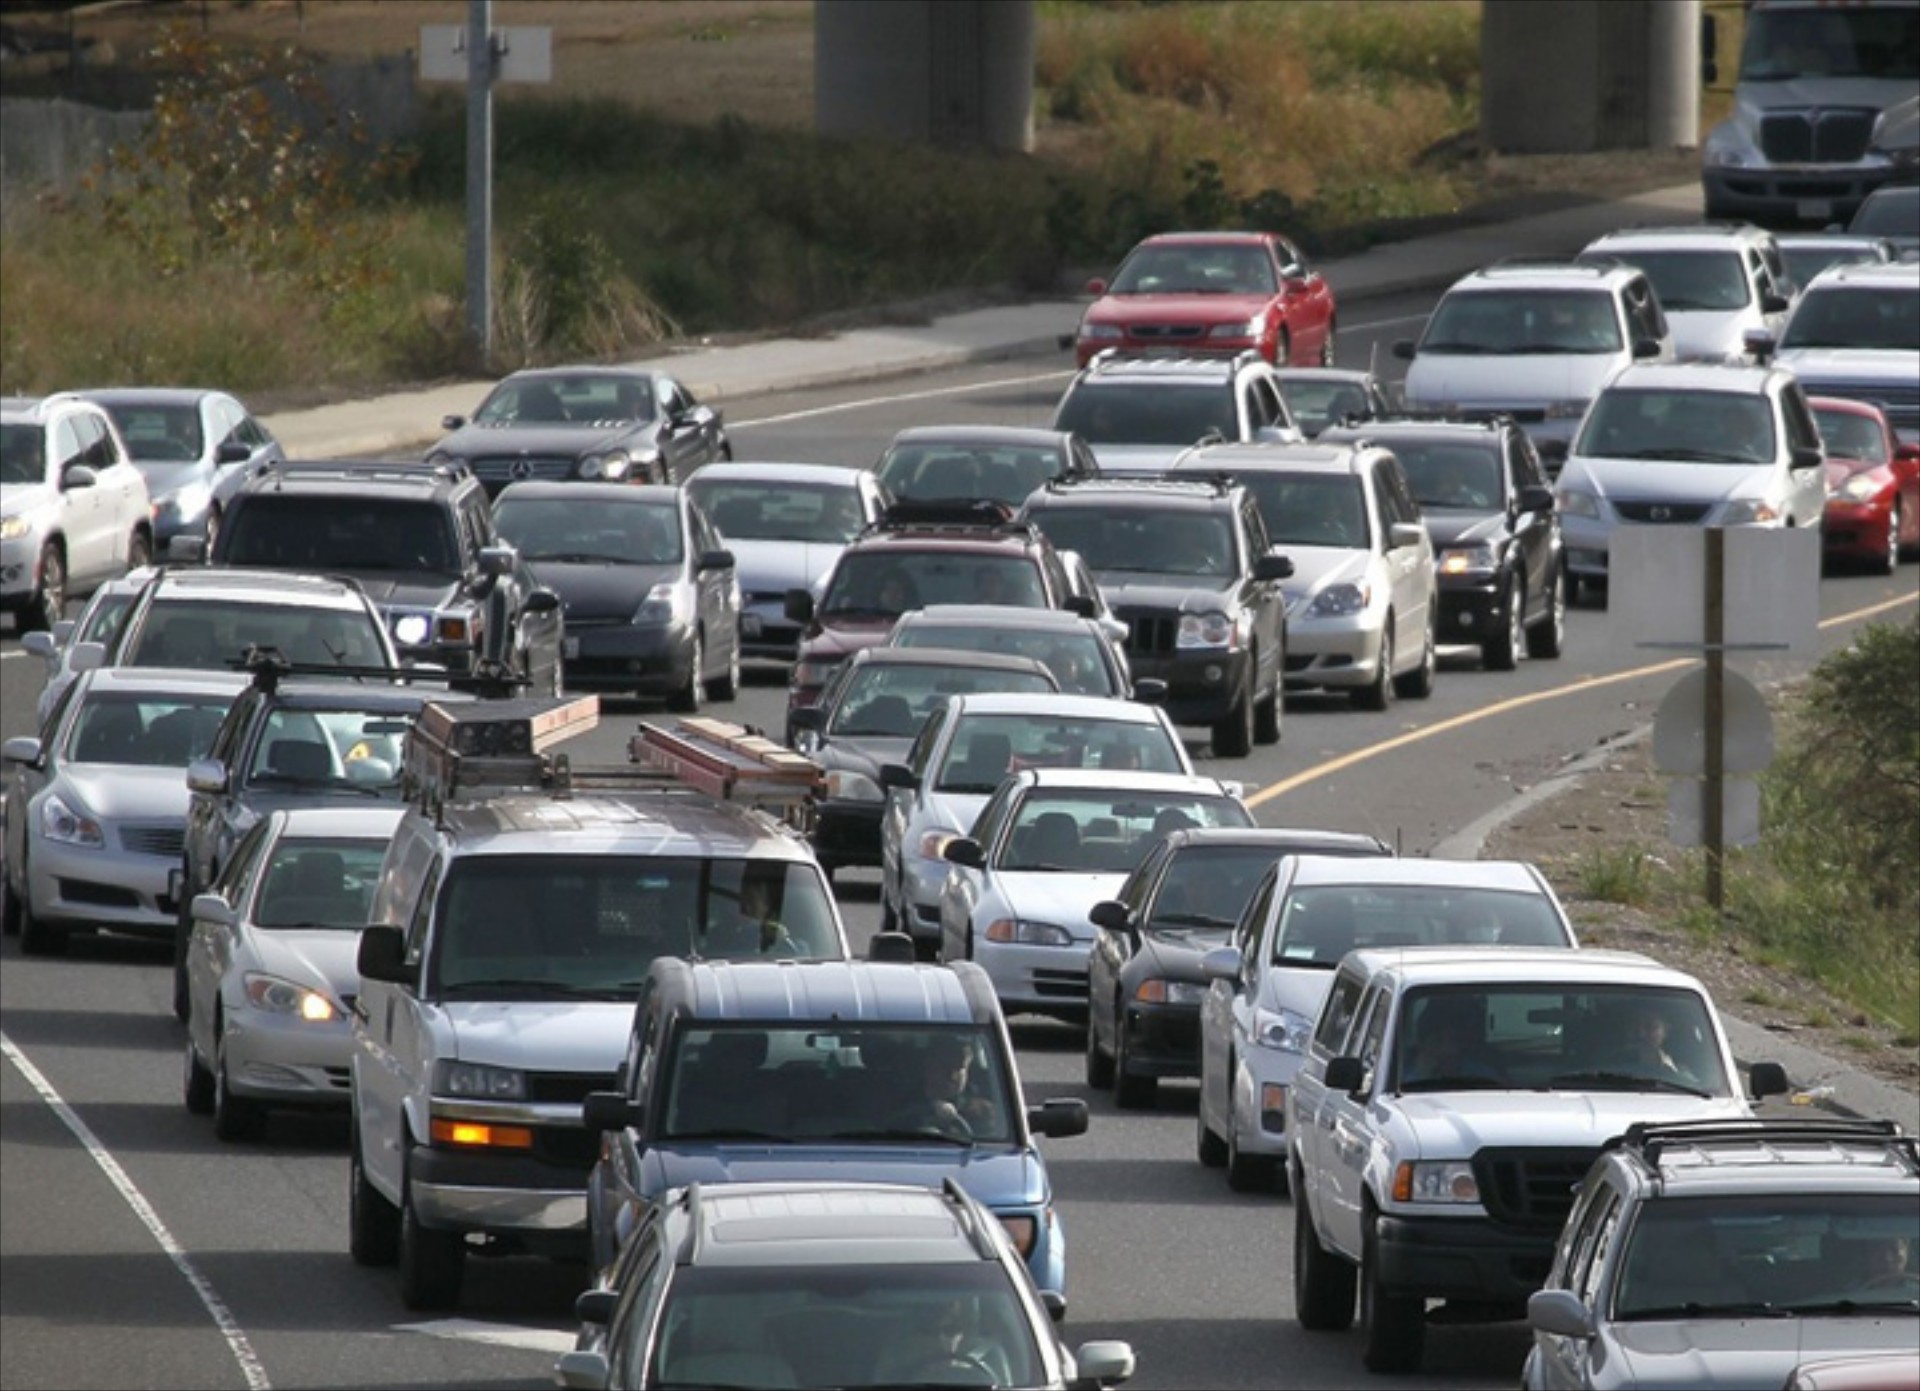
pixel 250 1367
pixel 1385 323
pixel 902 396
pixel 16 652
pixel 505 1335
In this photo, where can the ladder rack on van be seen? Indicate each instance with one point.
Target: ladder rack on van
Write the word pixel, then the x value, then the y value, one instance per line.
pixel 730 762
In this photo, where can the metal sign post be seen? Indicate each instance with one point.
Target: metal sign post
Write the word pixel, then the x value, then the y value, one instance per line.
pixel 1716 622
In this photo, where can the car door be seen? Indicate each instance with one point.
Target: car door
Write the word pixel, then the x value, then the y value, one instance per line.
pixel 83 511
pixel 1535 532
pixel 965 886
pixel 205 812
pixel 1306 1099
pixel 1112 950
pixel 1223 1005
pixel 688 431
pixel 906 807
pixel 130 505
pixel 718 592
pixel 393 1053
pixel 211 946
pixel 1267 600
pixel 1309 303
pixel 1411 568
pixel 1346 1127
pixel 1806 487
pixel 1582 1260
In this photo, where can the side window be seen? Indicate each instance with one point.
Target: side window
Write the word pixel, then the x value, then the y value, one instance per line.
pixel 1524 462
pixel 1801 430
pixel 1405 509
pixel 1254 528
pixel 627 1359
pixel 1382 507
pixel 62 704
pixel 1647 317
pixel 999 807
pixel 67 445
pixel 1057 580
pixel 923 746
pixel 422 916
pixel 673 400
pixel 240 868
pixel 1144 881
pixel 1337 1013
pixel 227 423
pixel 1373 1030
pixel 1253 919
pixel 1291 261
pixel 477 522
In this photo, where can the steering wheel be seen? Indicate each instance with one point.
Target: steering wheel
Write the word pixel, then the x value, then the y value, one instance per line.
pixel 939 1370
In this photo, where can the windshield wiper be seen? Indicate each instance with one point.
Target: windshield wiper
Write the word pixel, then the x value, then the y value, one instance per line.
pixel 1695 1309
pixel 1190 920
pixel 758 1136
pixel 541 988
pixel 588 558
pixel 1456 1084
pixel 332 784
pixel 1850 1307
pixel 904 1135
pixel 1444 347
pixel 1551 349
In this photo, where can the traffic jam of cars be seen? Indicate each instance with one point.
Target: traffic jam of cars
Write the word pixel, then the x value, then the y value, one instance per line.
pixel 303 721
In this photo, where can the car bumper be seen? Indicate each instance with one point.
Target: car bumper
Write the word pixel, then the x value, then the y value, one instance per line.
pixel 1163 1040
pixel 1856 529
pixel 1463 1258
pixel 847 833
pixel 1260 1080
pixel 1471 610
pixel 921 884
pixel 1201 685
pixel 1333 653
pixel 1588 540
pixel 650 661
pixel 499 1194
pixel 1818 194
pixel 458 661
pixel 1037 980
pixel 766 631
pixel 288 1061
pixel 99 888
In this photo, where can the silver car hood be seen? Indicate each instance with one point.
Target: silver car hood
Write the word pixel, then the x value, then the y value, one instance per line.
pixel 954 810
pixel 1897 367
pixel 1646 481
pixel 126 792
pixel 1711 334
pixel 542 1035
pixel 1059 897
pixel 1450 1125
pixel 1506 378
pixel 325 959
pixel 1299 989
pixel 783 565
pixel 1760 1354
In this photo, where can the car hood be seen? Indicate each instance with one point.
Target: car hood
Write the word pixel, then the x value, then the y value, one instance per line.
pixel 1840 470
pixel 999 1177
pixel 1650 481
pixel 601 591
pixel 1738 1354
pixel 123 792
pixel 777 566
pixel 472 441
pixel 1173 953
pixel 328 958
pixel 19 498
pixel 1177 309
pixel 1062 898
pixel 1137 458
pixel 1499 379
pixel 407 589
pixel 1896 367
pixel 542 1035
pixel 1299 989
pixel 1448 527
pixel 1135 589
pixel 1316 567
pixel 1447 1124
pixel 1710 333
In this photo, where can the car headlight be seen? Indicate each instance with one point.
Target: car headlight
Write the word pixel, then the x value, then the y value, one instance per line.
pixel 1724 157
pixel 844 784
pixel 1468 560
pixel 1205 630
pixel 1282 1030
pixel 1565 410
pixel 666 602
pixel 12 528
pixel 66 826
pixel 479 1080
pixel 1750 512
pixel 612 466
pixel 1435 1181
pixel 1860 488
pixel 1170 992
pixel 813 673
pixel 933 844
pixel 1246 328
pixel 277 996
pixel 1575 503
pixel 1020 932
pixel 1337 600
pixel 412 629
pixel 1101 333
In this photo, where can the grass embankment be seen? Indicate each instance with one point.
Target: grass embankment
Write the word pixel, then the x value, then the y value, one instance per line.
pixel 616 227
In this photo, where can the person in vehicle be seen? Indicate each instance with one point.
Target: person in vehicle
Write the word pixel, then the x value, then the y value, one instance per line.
pixel 755 928
pixel 1449 1044
pixel 937 1098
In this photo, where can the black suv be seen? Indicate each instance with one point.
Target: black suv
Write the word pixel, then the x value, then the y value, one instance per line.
pixel 1497 550
pixel 1187 566
pixel 420 540
pixel 1140 413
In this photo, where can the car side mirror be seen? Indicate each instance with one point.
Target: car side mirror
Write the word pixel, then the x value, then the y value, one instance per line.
pixel 966 852
pixel 596 1306
pixel 892 946
pixel 798 606
pixel 1560 1313
pixel 497 561
pixel 1149 690
pixel 1646 348
pixel 383 955
pixel 452 422
pixel 1405 534
pixel 1096 286
pixel 1104 1361
pixel 1111 914
pixel 1347 1075
pixel 1806 456
pixel 1767 1079
pixel 582 1371
pixel 1773 302
pixel 895 775
pixel 1082 605
pixel 1535 497
pixel 715 560
pixel 1403 349
pixel 86 656
pixel 1222 963
pixel 22 748
pixel 608 1111
pixel 542 601
pixel 1058 1117
pixel 232 452
pixel 41 644
pixel 1273 567
pixel 1759 343
pixel 207 775
pixel 211 908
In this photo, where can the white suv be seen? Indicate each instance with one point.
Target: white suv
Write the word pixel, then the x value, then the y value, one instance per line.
pixel 1717 282
pixel 1451 1100
pixel 1534 340
pixel 74 511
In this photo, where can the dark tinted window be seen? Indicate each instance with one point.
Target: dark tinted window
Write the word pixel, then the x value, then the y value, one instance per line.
pixel 289 531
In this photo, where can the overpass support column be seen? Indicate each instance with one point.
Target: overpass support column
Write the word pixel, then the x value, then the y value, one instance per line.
pixel 1581 75
pixel 954 72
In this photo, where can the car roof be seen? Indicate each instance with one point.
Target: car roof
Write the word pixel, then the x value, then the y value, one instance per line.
pixel 995 616
pixel 1489 432
pixel 165 680
pixel 1530 274
pixel 352 695
pixel 864 992
pixel 1317 457
pixel 982 434
pixel 1188 493
pixel 1117 372
pixel 1218 238
pixel 617 494
pixel 944 657
pixel 1734 378
pixel 1463 965
pixel 1846 405
pixel 1281 840
pixel 945 536
pixel 287 588
pixel 762 471
pixel 1887 275
pixel 374 820
pixel 654 822
pixel 756 1225
pixel 353 477
pixel 1722 1161
pixel 1121 780
pixel 1083 707
pixel 1509 875
pixel 1699 236
pixel 1358 376
pixel 147 395
pixel 578 369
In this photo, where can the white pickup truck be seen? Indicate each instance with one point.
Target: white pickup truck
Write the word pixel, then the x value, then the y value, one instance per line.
pixel 1451 1101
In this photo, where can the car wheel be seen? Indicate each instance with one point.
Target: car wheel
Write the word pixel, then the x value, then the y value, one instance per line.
pixel 9 907
pixel 1395 1324
pixel 196 1088
pixel 49 601
pixel 139 549
pixel 1549 635
pixel 1131 1092
pixel 1501 652
pixel 687 699
pixel 1888 563
pixel 1233 732
pixel 1327 345
pixel 1246 1173
pixel 1322 1282
pixel 432 1263
pixel 38 937
pixel 1266 716
pixel 373 1223
pixel 235 1119
pixel 1208 1147
pixel 1377 694
pixel 728 686
pixel 1418 683
pixel 1099 1064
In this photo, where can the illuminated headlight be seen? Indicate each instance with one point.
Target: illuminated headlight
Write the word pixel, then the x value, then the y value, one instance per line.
pixel 1435 1181
pixel 933 844
pixel 412 629
pixel 1750 512
pixel 12 528
pixel 276 996
pixel 845 785
pixel 1170 992
pixel 1566 410
pixel 813 673
pixel 612 466
pixel 66 826
pixel 1246 328
pixel 666 602
pixel 1338 600
pixel 1101 333
pixel 1019 932
pixel 1575 503
pixel 479 1080
pixel 1860 488
pixel 1204 630
pixel 1282 1030
pixel 1467 560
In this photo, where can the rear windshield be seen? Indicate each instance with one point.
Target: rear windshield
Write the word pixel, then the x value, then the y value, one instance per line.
pixel 772 511
pixel 1690 280
pixel 1165 413
pixel 1460 476
pixel 924 472
pixel 1523 322
pixel 1318 926
pixel 320 750
pixel 292 532
pixel 1074 658
pixel 1840 317
pixel 988 747
pixel 872 584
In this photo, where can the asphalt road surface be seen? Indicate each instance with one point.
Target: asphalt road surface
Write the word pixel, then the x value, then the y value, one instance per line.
pixel 137 1251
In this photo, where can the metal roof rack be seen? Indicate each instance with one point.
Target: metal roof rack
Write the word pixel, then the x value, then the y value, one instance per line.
pixel 965 512
pixel 1651 1140
pixel 268 667
pixel 393 470
pixel 1585 265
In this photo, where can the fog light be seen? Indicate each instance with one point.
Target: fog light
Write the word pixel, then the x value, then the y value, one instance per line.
pixel 1273 1107
pixel 1466 620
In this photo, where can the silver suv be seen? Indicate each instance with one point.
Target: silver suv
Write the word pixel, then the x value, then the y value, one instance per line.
pixel 1855 332
pixel 1717 283
pixel 1140 413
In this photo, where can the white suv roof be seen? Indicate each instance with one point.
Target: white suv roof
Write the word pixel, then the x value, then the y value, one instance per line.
pixel 1691 237
pixel 1516 875
pixel 1888 275
pixel 1083 707
pixel 1482 965
pixel 280 587
pixel 1522 274
pixel 1255 458
pixel 1735 378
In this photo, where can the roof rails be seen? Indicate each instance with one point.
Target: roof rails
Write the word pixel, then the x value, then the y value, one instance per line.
pixel 975 512
pixel 452 469
pixel 1652 1139
pixel 1186 357
pixel 1582 262
pixel 269 667
pixel 1429 415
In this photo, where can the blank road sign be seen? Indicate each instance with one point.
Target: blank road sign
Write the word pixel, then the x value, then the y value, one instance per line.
pixel 1739 811
pixel 1680 727
pixel 1656 587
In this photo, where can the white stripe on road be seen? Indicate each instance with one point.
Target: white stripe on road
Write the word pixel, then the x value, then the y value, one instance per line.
pixel 14 652
pixel 504 1335
pixel 250 1368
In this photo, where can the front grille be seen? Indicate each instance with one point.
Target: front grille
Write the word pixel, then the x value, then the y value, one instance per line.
pixel 99 895
pixel 615 620
pixel 1065 985
pixel 168 842
pixel 1662 512
pixel 1149 634
pixel 1297 663
pixel 513 468
pixel 566 1087
pixel 1816 137
pixel 339 1078
pixel 1166 333
pixel 1531 1187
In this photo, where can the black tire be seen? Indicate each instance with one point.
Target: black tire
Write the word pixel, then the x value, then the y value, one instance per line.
pixel 1131 1091
pixel 1233 732
pixel 727 686
pixel 373 1223
pixel 1395 1324
pixel 1323 1284
pixel 1546 638
pixel 139 549
pixel 1208 1147
pixel 1266 716
pixel 196 1087
pixel 1246 1173
pixel 1099 1065
pixel 1501 652
pixel 432 1264
pixel 687 699
pixel 1283 350
pixel 9 908
pixel 236 1120
pixel 1377 694
pixel 49 601
pixel 1418 683
pixel 37 937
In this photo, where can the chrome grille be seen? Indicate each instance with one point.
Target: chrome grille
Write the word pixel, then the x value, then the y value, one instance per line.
pixel 1530 1187
pixel 1816 137
pixel 1167 333
pixel 500 468
pixel 168 842
pixel 1662 512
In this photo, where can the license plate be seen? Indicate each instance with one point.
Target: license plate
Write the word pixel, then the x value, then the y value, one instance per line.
pixel 749 625
pixel 569 648
pixel 1814 209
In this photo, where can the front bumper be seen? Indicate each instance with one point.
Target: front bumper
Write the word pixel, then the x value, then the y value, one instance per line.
pixel 921 883
pixel 1202 684
pixel 114 889
pixel 1588 540
pixel 1472 607
pixel 1260 1080
pixel 847 833
pixel 1812 194
pixel 539 1194
pixel 1163 1040
pixel 620 657
pixel 1335 653
pixel 1463 1258
pixel 766 631
pixel 1036 980
pixel 1856 529
pixel 287 1061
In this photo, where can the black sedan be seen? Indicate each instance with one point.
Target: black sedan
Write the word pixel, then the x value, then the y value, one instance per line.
pixel 647 587
pixel 585 424
pixel 1144 980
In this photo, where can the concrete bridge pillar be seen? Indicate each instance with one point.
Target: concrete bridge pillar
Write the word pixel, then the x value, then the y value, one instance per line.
pixel 1570 76
pixel 956 72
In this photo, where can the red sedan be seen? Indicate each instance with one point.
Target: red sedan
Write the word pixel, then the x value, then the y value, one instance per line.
pixel 1213 292
pixel 1873 485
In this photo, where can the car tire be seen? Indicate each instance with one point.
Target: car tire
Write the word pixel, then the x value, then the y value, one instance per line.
pixel 1327 345
pixel 1208 1147
pixel 1246 1173
pixel 687 699
pixel 1395 1324
pixel 432 1264
pixel 373 1223
pixel 49 601
pixel 1266 716
pixel 9 907
pixel 1099 1064
pixel 1131 1091
pixel 139 549
pixel 1233 732
pixel 1501 652
pixel 1323 1284
pixel 1418 683
pixel 728 686
pixel 236 1120
pixel 1546 638
pixel 1377 694
pixel 196 1088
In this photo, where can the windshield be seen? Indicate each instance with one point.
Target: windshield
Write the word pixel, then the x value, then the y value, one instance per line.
pixel 1105 832
pixel 842 1324
pixel 1311 509
pixel 772 511
pixel 1318 404
pixel 985 748
pixel 1459 476
pixel 578 398
pixel 1207 886
pixel 149 731
pixel 214 635
pixel 319 882
pixel 288 531
pixel 22 454
pixel 885 584
pixel 1318 926
pixel 1689 280
pixel 1527 1037
pixel 1196 269
pixel 1167 413
pixel 1855 318
pixel 1807 259
pixel 160 434
pixel 815 1080
pixel 1881 41
pixel 558 529
pixel 1708 427
pixel 1523 322
pixel 324 749
pixel 1144 540
pixel 890 701
pixel 934 471
pixel 1074 657
pixel 539 926
pixel 1850 436
pixel 1775 1252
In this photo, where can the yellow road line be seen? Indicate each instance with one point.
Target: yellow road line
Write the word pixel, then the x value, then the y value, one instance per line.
pixel 1590 683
